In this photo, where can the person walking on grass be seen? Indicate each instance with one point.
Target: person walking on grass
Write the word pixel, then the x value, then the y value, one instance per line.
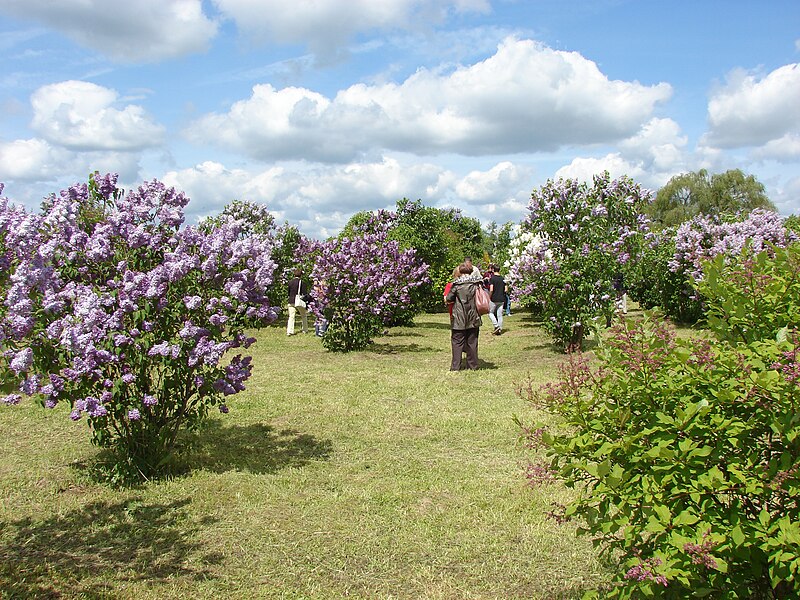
pixel 466 322
pixel 497 299
pixel 298 291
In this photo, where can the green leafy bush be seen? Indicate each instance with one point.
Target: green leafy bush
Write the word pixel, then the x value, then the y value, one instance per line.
pixel 650 281
pixel 684 452
pixel 755 299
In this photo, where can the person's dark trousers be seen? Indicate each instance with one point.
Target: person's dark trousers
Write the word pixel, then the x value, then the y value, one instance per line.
pixel 464 340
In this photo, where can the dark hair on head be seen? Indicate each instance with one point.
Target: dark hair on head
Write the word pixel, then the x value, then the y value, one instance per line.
pixel 467 259
pixel 493 267
pixel 298 271
pixel 464 269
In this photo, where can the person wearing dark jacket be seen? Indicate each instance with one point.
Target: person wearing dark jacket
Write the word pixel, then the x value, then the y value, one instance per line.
pixel 466 322
pixel 497 299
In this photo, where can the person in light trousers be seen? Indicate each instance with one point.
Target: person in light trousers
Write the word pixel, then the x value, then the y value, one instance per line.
pixel 297 290
pixel 497 299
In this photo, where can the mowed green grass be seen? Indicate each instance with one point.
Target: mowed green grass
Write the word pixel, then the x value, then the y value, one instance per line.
pixel 376 474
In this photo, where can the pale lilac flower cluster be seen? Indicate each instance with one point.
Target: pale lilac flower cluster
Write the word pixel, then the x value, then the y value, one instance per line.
pixel 366 274
pixel 705 237
pixel 529 255
pixel 575 239
pixel 142 309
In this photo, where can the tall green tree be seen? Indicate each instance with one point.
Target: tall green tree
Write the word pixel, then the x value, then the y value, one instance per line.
pixel 698 193
pixel 497 242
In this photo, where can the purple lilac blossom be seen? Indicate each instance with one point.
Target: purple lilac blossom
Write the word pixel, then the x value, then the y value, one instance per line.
pixel 108 314
pixel 705 237
pixel 367 270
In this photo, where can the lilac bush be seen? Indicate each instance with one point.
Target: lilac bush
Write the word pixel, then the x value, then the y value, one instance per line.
pixel 683 451
pixel 361 281
pixel 670 271
pixel 254 219
pixel 110 306
pixel 705 237
pixel 584 236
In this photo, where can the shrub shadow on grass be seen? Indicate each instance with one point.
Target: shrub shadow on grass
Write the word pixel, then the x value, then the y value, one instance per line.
pixel 402 333
pixel 79 553
pixel 394 348
pixel 588 346
pixel 433 325
pixel 529 322
pixel 257 448
pixel 550 347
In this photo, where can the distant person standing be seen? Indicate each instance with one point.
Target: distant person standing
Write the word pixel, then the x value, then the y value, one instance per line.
pixel 497 299
pixel 298 291
pixel 466 322
pixel 487 276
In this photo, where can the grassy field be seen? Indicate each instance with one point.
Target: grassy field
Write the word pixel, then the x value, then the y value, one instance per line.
pixel 378 474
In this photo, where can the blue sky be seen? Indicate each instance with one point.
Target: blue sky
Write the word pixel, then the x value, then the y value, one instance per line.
pixel 322 108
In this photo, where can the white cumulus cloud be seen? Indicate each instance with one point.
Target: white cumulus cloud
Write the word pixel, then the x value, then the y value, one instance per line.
pixel 498 184
pixel 36 160
pixel 140 31
pixel 81 116
pixel 658 146
pixel 786 196
pixel 319 199
pixel 753 111
pixel 325 26
pixel 585 168
pixel 30 160
pixel 652 156
pixel 525 98
pixel 783 149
